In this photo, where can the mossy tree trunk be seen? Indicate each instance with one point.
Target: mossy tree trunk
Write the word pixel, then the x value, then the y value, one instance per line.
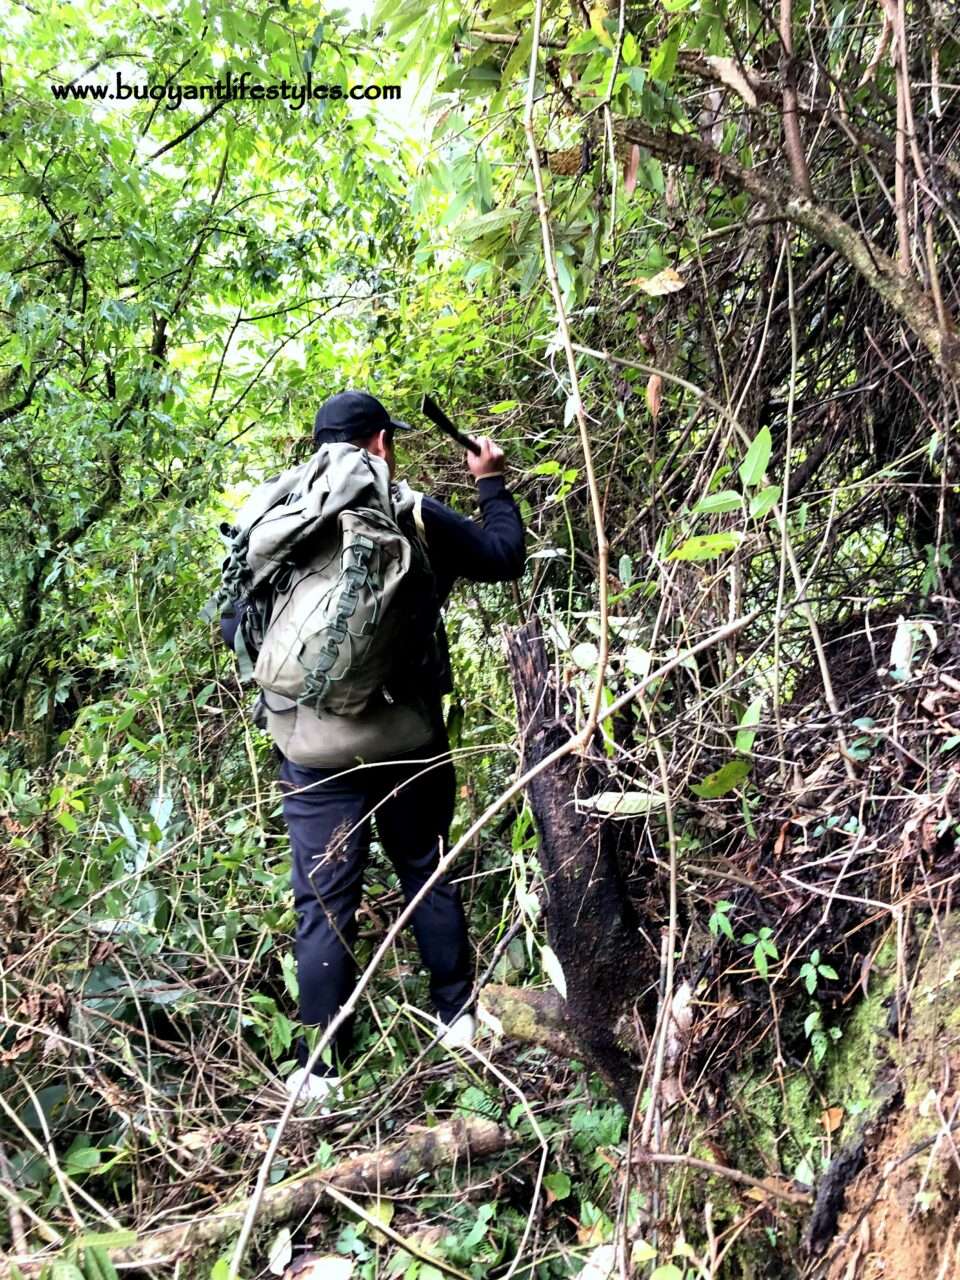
pixel 591 925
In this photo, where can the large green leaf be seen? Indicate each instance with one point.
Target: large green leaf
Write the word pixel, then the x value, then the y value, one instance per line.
pixel 706 546
pixel 754 464
pixel 722 780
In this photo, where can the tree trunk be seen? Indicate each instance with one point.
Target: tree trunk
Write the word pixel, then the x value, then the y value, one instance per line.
pixel 591 924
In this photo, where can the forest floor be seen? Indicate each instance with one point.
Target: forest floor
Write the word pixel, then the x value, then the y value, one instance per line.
pixel 838 1106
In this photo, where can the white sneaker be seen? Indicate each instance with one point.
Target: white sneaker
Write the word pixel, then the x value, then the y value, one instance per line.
pixel 460 1033
pixel 315 1089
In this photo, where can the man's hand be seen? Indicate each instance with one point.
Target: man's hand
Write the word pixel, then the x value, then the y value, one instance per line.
pixel 489 461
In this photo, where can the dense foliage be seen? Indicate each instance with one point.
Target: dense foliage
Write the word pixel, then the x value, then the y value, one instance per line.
pixel 728 392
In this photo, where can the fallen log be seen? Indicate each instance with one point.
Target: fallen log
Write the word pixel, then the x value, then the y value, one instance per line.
pixel 530 1016
pixel 418 1151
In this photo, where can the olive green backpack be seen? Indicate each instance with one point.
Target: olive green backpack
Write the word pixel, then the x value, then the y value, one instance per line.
pixel 341 606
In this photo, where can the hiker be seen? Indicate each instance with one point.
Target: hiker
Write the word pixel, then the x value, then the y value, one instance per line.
pixel 391 760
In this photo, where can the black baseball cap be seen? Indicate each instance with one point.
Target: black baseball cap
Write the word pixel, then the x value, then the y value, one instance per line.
pixel 357 412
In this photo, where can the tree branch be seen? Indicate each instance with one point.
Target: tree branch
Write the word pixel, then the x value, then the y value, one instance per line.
pixel 197 124
pixel 12 410
pixel 905 297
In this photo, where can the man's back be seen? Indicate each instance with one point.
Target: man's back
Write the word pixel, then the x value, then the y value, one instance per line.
pixel 491 550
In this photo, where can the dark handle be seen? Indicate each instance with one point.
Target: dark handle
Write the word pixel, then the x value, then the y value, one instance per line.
pixel 436 415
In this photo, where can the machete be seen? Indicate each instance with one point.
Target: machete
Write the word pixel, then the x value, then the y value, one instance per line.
pixel 436 415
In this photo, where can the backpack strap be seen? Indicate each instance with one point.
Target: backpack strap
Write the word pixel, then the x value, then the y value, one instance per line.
pixel 418 516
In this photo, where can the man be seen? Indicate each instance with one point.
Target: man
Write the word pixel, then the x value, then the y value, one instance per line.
pixel 405 781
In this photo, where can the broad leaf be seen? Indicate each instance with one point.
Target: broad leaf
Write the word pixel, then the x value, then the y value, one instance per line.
pixel 706 547
pixel 754 465
pixel 554 970
pixel 625 804
pixel 747 733
pixel 722 780
pixel 716 503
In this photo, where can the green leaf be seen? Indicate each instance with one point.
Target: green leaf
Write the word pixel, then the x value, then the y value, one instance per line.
pixel 754 465
pixel 713 503
pixel 747 733
pixel 495 220
pixel 724 925
pixel 97 1265
pixel 722 780
pixel 597 15
pixel 828 971
pixel 474 1101
pixel 480 1227
pixel 288 966
pixel 764 501
pixel 585 655
pixel 642 1252
pixel 106 1240
pixel 81 1160
pixel 664 61
pixel 559 1184
pixel 706 547
pixel 625 803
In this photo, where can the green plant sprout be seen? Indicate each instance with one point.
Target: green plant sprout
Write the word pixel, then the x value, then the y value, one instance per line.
pixel 813 969
pixel 719 922
pixel 820 1037
pixel 764 949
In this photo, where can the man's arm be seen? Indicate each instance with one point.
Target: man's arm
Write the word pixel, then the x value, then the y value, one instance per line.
pixel 229 623
pixel 491 550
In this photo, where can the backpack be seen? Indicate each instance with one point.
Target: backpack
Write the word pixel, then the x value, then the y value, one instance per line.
pixel 340 602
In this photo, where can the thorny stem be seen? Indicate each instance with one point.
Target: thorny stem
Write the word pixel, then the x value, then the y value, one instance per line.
pixel 788 449
pixel 564 330
pixel 791 122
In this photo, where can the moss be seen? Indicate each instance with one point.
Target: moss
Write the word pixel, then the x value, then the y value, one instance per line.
pixel 724 1196
pixel 774 1127
pixel 854 1070
pixel 933 1028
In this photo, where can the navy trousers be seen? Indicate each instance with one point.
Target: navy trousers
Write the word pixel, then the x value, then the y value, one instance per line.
pixel 328 813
